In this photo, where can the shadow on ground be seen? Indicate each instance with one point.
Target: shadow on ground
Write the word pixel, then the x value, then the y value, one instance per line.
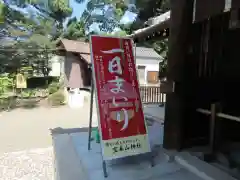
pixel 59 130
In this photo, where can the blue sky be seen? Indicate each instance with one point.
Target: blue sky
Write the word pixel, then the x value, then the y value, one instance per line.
pixel 77 8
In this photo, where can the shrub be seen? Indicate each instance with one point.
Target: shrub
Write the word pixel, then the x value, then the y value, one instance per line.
pixel 27 93
pixel 4 103
pixel 7 102
pixel 56 99
pixel 5 84
pixel 53 87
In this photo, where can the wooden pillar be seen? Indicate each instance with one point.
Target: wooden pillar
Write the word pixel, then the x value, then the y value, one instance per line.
pixel 176 105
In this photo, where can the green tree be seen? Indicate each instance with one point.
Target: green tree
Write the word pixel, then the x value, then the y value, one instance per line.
pixel 148 9
pixel 75 30
pixel 60 10
pixel 152 8
pixel 12 21
pixel 33 51
pixel 117 34
pixel 107 23
pixel 161 47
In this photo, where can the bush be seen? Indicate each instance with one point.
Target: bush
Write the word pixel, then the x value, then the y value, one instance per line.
pixel 4 103
pixel 56 99
pixel 5 84
pixel 7 102
pixel 53 87
pixel 27 93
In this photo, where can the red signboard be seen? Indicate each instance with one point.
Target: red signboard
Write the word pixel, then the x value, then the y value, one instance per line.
pixel 121 119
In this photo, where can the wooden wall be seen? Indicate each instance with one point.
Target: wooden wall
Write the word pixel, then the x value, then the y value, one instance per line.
pixel 204 9
pixel 204 65
pixel 207 8
pixel 77 73
pixel 214 60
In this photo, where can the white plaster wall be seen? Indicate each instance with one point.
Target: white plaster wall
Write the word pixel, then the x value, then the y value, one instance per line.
pixel 56 65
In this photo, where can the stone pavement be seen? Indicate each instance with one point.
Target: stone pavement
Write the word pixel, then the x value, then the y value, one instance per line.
pixel 74 161
pixel 87 165
pixel 130 168
pixel 72 149
pixel 154 111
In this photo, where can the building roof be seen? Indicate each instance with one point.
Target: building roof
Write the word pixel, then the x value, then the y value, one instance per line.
pixel 156 25
pixel 158 19
pixel 148 53
pixel 75 46
pixel 82 48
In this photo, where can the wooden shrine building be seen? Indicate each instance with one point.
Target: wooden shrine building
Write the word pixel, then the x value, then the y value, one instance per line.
pixel 202 105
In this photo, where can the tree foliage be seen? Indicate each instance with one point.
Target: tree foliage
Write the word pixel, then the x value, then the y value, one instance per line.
pixel 110 17
pixel 60 10
pixel 25 43
pixel 33 41
pixel 75 30
pixel 152 8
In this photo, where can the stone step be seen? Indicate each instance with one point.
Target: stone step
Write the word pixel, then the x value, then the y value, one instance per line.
pixel 200 168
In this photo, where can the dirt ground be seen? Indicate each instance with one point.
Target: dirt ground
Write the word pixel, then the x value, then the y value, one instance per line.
pixel 23 129
pixel 27 129
pixel 25 142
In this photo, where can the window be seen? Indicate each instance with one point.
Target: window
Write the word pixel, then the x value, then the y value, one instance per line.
pixel 152 77
pixel 141 74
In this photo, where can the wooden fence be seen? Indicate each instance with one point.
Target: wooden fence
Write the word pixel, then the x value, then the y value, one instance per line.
pixel 151 95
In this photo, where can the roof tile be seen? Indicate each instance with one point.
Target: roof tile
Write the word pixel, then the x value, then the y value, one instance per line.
pixel 144 52
pixel 76 46
pixel 84 50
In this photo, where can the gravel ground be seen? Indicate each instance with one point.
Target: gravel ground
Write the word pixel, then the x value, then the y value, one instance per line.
pixel 35 164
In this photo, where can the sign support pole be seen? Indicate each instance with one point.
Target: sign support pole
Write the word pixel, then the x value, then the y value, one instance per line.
pixel 90 116
pixel 104 166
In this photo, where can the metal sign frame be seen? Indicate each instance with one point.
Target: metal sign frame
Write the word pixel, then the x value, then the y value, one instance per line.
pixel 93 82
